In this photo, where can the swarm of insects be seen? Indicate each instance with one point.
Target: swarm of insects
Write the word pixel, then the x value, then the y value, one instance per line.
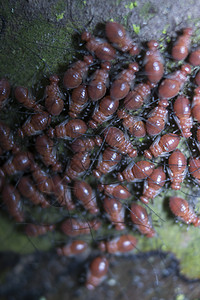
pixel 101 143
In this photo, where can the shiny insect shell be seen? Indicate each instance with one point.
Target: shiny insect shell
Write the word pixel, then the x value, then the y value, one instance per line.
pixel 194 168
pixel 4 91
pixel 78 164
pixel 75 227
pixel 157 120
pixel 183 117
pixel 97 272
pixel 180 50
pixel 78 100
pixel 24 97
pixel 68 129
pixel 53 97
pixel 36 230
pixel 177 168
pixel 73 248
pixel 182 209
pixel 136 171
pixel 21 161
pixel 115 212
pixel 196 104
pixel 137 96
pixel 194 58
pixel 116 191
pixel 119 245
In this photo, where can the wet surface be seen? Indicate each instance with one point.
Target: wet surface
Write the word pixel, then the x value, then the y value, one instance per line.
pixel 152 276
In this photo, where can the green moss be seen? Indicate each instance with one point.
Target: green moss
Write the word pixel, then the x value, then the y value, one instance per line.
pixel 131 5
pixel 147 11
pixel 136 28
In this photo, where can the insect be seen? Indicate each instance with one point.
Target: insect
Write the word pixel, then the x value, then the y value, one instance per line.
pixel 84 193
pixel 78 164
pixel 97 272
pixel 121 244
pixel 85 144
pixel 73 248
pixel 45 147
pixel 36 230
pixel 156 121
pixel 153 63
pixel 2 179
pixel 107 107
pixel 23 96
pixel 62 193
pixel 4 91
pixel 181 208
pixel 194 58
pixel 74 227
pixel 171 85
pixel 167 143
pixel 43 181
pixel 11 198
pixel 21 161
pixel 194 168
pixel 117 35
pixel 180 49
pixel 68 129
pixel 108 160
pixel 74 76
pixel 136 171
pixel 183 118
pixel 99 82
pixel 117 191
pixel 35 124
pixel 134 124
pixel 198 138
pixel 27 189
pixel 153 185
pixel 78 101
pixel 122 84
pixel 140 218
pixel 196 104
pixel 137 96
pixel 197 78
pixel 115 212
pixel 6 139
pixel 53 97
pixel 102 49
pixel 177 168
pixel 115 138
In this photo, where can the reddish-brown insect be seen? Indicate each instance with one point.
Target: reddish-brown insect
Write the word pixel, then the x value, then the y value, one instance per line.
pixel 177 169
pixel 73 248
pixel 115 212
pixel 107 107
pixel 196 104
pixel 85 144
pixel 72 129
pixel 197 78
pixel 181 47
pixel 102 49
pixel 156 121
pixel 35 124
pixel 122 84
pixel 83 192
pixel 62 193
pixel 137 96
pixel 107 162
pixel 2 179
pixel 36 230
pixel 74 76
pixel 45 147
pixel 167 143
pixel 79 163
pixel 153 62
pixel 78 100
pixel 134 124
pixel 43 181
pixel 97 272
pixel 153 185
pixel 73 227
pixel 53 97
pixel 97 86
pixel 117 191
pixel 6 139
pixel 136 171
pixel 21 161
pixel 115 138
pixel 194 58
pixel 27 189
pixel 182 111
pixel 4 91
pixel 194 168
pixel 174 82
pixel 140 218
pixel 11 198
pixel 23 96
pixel 122 244
pixel 117 35
pixel 181 209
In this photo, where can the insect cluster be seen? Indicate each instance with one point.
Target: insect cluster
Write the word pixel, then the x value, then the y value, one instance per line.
pixel 103 143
